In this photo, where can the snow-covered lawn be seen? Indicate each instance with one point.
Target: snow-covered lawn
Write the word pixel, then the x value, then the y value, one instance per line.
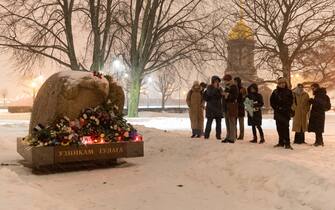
pixel 178 173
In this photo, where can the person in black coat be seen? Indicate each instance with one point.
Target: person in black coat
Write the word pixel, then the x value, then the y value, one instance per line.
pixel 214 108
pixel 281 101
pixel 320 104
pixel 254 110
pixel 242 92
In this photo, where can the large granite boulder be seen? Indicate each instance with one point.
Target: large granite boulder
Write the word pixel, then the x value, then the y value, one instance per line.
pixel 116 95
pixel 67 93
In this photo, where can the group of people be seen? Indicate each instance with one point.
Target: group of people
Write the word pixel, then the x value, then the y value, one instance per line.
pixel 230 100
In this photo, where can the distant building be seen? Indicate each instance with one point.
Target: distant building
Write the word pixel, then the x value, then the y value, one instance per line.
pixel 241 46
pixel 241 58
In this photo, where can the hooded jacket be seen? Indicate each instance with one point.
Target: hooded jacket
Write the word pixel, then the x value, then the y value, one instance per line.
pixel 320 104
pixel 258 103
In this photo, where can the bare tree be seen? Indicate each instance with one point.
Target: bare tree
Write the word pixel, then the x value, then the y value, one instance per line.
pixel 318 64
pixel 161 33
pixel 104 28
pixel 284 29
pixel 38 29
pixel 4 94
pixel 166 85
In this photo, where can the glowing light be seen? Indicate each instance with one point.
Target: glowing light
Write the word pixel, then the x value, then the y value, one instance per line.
pixel 37 82
pixel 34 84
pixel 138 138
pixel 119 138
pixel 101 140
pixel 40 79
pixel 87 140
pixel 117 64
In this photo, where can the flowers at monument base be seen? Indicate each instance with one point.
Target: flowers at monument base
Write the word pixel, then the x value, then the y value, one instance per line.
pixel 97 125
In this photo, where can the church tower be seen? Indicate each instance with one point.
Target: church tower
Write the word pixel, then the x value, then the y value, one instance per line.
pixel 241 46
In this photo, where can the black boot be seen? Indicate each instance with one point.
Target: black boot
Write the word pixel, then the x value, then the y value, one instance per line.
pixel 193 133
pixel 279 145
pixel 225 141
pixel 319 140
pixel 254 140
pixel 262 138
pixel 206 136
pixel 318 144
pixel 288 147
pixel 198 133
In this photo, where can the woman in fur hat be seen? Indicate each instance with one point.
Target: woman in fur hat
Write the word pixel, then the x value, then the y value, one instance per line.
pixel 301 108
pixel 195 103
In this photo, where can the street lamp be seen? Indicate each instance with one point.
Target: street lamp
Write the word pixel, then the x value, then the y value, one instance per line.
pixel 34 87
pixel 126 88
pixel 117 64
pixel 179 98
pixel 36 84
pixel 184 93
pixel 148 95
pixel 118 67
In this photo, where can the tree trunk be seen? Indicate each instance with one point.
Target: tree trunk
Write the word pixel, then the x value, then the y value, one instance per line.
pixel 287 73
pixel 67 9
pixel 134 98
pixel 286 63
pixel 163 102
pixel 95 14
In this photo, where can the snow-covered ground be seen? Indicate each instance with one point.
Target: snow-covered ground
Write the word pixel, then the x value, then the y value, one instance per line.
pixel 178 173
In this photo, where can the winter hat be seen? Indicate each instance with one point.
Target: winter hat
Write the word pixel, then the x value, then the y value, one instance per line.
pixel 315 85
pixel 282 80
pixel 227 77
pixel 203 85
pixel 238 80
pixel 254 86
pixel 215 78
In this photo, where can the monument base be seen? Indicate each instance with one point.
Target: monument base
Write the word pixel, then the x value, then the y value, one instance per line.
pixel 53 155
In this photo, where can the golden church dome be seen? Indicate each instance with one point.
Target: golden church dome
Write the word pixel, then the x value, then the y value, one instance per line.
pixel 241 31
